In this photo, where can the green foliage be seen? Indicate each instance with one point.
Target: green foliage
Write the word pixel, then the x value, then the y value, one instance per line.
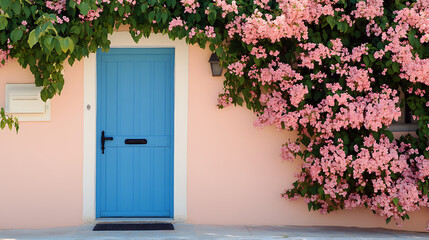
pixel 8 121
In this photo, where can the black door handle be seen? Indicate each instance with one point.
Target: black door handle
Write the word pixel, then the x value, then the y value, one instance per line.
pixel 103 140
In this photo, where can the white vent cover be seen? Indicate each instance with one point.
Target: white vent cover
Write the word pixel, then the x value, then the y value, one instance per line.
pixel 23 101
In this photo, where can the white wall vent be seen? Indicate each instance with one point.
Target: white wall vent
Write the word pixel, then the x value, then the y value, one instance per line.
pixel 23 101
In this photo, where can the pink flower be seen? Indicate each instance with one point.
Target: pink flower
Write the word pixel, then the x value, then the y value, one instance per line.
pixel 297 93
pixel 209 31
pixel 190 5
pixel 289 149
pixel 176 22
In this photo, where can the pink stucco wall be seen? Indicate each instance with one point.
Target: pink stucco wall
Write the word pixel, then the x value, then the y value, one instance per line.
pixel 41 166
pixel 235 173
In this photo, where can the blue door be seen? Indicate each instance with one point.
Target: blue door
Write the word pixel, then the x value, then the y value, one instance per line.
pixel 135 94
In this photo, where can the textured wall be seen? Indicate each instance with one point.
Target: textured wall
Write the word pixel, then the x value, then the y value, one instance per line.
pixel 41 166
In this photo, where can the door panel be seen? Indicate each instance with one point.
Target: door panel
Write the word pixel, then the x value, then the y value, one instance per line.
pixel 135 101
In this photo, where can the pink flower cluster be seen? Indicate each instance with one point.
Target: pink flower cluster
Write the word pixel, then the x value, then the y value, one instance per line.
pixel 224 100
pixel 190 5
pixel 227 8
pixel 290 23
pixel 372 111
pixel 237 68
pixel 56 5
pixel 413 68
pixel 297 93
pixel 92 15
pixel 3 57
pixel 210 32
pixel 317 53
pixel 289 150
pixel 369 9
pixel 334 170
pixel 175 23
pixel 62 20
pixel 259 52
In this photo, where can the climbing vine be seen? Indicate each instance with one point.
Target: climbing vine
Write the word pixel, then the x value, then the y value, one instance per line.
pixel 332 70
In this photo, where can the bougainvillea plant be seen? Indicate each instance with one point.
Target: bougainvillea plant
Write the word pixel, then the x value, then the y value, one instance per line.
pixel 331 70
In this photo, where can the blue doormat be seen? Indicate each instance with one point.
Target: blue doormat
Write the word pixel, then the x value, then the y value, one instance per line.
pixel 132 226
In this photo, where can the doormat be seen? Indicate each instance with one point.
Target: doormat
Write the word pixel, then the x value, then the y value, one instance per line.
pixel 132 226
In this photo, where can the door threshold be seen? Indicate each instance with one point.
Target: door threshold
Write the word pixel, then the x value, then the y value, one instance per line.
pixel 135 220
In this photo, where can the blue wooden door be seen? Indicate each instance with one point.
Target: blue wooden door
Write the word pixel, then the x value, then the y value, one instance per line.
pixel 135 110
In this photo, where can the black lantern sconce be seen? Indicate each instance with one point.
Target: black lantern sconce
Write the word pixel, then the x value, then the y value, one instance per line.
pixel 215 65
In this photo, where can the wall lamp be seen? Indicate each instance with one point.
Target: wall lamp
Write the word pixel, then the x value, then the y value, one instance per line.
pixel 215 65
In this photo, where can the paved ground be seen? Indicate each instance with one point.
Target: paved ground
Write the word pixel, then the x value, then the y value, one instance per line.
pixel 189 231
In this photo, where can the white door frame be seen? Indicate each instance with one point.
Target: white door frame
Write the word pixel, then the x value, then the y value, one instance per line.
pixel 124 40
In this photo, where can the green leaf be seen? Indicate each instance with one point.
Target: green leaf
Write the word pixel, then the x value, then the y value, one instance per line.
pixel 75 30
pixel 241 80
pixel 212 47
pixel 366 60
pixel 331 21
pixel 395 67
pixel 4 4
pixel 84 8
pixel 144 7
pixel 65 44
pixel 388 220
pixel 239 101
pixel 212 17
pixel 48 42
pixel 380 45
pixel 57 46
pixel 346 139
pixel 27 12
pixel 32 40
pixel 71 61
pixel 219 51
pixel 395 201
pixel 16 7
pixel 158 17
pixel 72 4
pixel 16 125
pixel 3 22
pixel 121 11
pixel 412 38
pixel 44 94
pixel 164 17
pixel 16 35
pixel 71 44
pixel 320 191
pixel 389 62
pixel 151 16
pixel 389 134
